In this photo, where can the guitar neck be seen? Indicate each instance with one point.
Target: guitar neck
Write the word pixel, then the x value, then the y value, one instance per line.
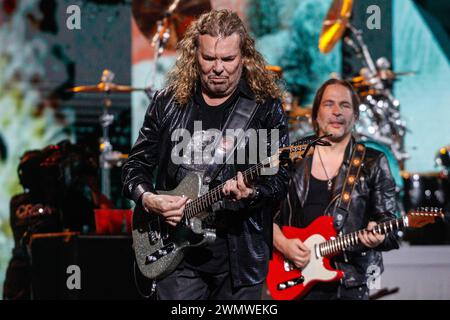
pixel 214 195
pixel 334 246
pixel 203 202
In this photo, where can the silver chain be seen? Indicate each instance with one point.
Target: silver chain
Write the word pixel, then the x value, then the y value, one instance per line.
pixel 330 182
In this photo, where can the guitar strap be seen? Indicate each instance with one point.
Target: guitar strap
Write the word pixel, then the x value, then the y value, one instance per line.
pixel 343 205
pixel 240 118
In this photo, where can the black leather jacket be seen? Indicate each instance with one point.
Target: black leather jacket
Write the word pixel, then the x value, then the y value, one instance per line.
pixel 373 199
pixel 250 233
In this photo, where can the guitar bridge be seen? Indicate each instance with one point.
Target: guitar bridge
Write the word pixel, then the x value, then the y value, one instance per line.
pixel 163 251
pixel 153 237
pixel 290 283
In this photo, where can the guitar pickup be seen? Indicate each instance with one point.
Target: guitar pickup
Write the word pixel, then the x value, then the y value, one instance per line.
pixel 163 251
pixel 290 283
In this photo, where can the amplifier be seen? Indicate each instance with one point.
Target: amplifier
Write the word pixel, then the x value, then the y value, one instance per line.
pixel 75 266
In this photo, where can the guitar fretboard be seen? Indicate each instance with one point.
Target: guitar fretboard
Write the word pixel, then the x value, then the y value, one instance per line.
pixel 351 239
pixel 334 246
pixel 214 195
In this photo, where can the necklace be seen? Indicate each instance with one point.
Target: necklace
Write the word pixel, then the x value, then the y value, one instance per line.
pixel 330 180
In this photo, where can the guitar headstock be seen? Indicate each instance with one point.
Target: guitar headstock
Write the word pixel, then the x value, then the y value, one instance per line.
pixel 424 216
pixel 298 151
pixel 303 147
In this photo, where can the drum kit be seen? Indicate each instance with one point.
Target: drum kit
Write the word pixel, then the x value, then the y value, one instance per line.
pixel 380 124
pixel 380 120
pixel 432 188
pixel 109 158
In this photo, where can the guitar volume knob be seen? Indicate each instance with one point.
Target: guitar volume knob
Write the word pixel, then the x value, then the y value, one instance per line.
pixel 281 286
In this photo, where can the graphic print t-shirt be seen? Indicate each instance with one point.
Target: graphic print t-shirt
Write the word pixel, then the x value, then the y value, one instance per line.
pixel 212 258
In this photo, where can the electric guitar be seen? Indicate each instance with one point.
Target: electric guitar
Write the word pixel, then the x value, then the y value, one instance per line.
pixel 287 282
pixel 159 247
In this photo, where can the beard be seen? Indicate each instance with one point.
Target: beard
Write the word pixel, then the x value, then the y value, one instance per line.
pixel 223 86
pixel 344 133
pixel 218 90
pixel 336 139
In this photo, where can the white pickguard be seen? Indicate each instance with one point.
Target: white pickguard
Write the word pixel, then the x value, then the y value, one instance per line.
pixel 315 269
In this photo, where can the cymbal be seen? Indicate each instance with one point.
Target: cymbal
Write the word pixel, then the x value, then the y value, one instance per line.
pixel 360 81
pixel 277 69
pixel 335 24
pixel 147 13
pixel 105 87
pixel 417 175
pixel 299 113
pixel 391 75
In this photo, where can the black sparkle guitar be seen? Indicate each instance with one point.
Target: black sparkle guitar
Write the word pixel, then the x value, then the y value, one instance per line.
pixel 159 247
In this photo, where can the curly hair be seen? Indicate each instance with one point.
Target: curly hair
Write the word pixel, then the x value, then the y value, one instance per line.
pixel 220 23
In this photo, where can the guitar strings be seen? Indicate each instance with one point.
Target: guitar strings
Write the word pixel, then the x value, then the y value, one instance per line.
pixel 196 205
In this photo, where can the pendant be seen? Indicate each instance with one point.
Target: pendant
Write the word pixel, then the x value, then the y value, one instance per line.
pixel 330 184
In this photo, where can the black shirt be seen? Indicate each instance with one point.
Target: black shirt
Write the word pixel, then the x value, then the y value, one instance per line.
pixel 316 202
pixel 212 258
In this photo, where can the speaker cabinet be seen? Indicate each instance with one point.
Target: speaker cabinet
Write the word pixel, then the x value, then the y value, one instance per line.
pixel 73 266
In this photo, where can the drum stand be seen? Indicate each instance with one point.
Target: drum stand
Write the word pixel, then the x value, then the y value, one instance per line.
pixel 389 114
pixel 108 157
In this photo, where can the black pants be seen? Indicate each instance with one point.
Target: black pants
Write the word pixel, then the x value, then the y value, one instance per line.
pixel 336 291
pixel 188 284
pixel 17 284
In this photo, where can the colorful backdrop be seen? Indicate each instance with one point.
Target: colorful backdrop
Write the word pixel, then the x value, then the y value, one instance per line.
pixel 286 32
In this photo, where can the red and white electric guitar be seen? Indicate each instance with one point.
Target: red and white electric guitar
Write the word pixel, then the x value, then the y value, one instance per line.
pixel 286 282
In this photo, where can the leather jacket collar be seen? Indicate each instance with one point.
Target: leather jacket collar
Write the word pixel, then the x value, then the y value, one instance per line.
pixel 301 177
